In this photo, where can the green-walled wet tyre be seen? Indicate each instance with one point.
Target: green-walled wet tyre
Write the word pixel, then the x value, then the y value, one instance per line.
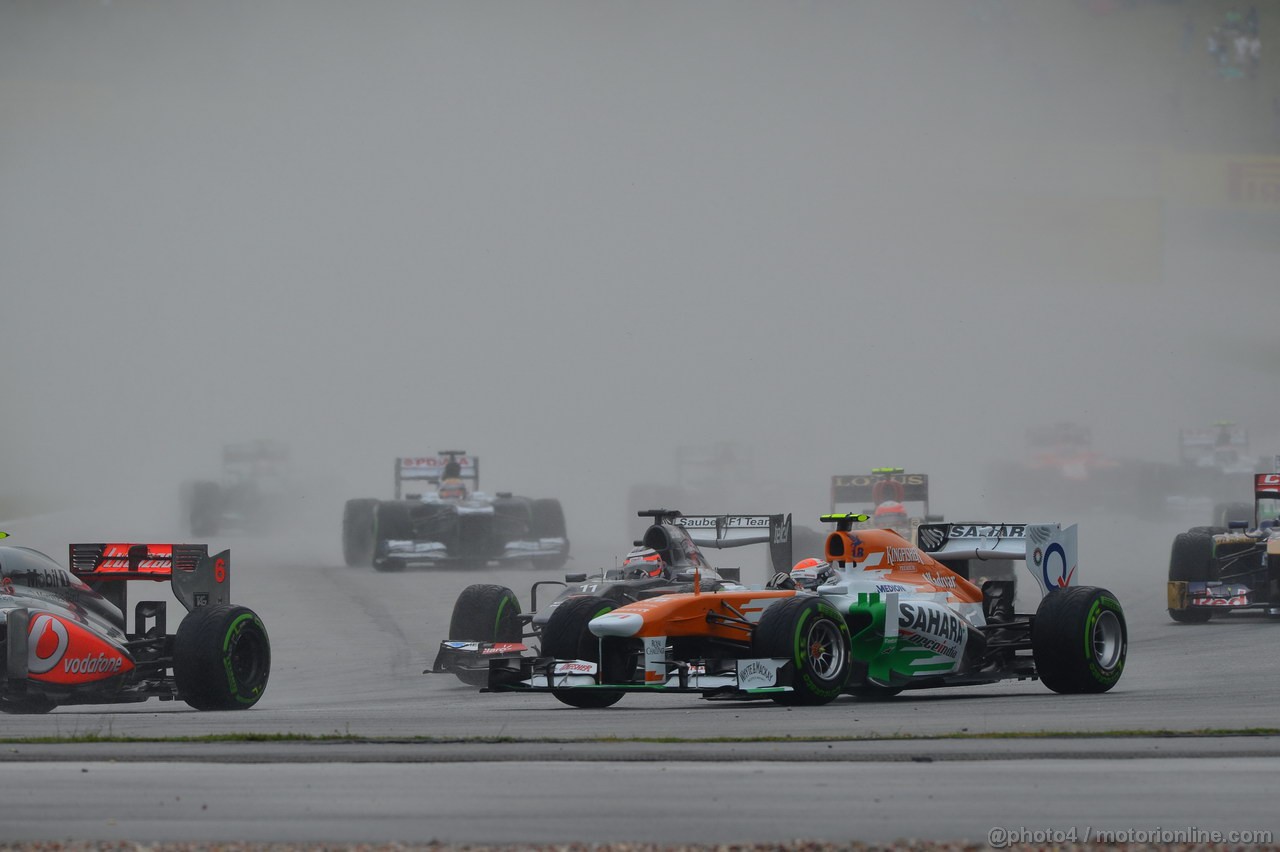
pixel 484 613
pixel 567 637
pixel 812 634
pixel 221 658
pixel 1079 640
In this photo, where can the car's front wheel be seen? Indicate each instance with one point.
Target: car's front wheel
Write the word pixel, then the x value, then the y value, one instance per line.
pixel 567 636
pixel 812 634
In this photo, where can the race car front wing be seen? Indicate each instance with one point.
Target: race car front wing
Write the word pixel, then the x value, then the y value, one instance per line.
pixel 762 676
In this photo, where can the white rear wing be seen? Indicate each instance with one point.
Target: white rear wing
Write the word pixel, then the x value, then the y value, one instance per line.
pixel 740 530
pixel 431 469
pixel 1048 549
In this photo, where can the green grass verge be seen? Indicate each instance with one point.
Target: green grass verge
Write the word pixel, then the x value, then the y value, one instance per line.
pixel 429 740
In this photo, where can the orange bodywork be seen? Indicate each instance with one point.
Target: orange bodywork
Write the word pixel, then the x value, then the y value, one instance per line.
pixel 896 560
pixel 688 614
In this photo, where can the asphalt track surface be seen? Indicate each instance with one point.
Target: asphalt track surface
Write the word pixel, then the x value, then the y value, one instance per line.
pixel 407 759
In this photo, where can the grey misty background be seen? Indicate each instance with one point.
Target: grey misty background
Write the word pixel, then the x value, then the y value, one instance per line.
pixel 572 237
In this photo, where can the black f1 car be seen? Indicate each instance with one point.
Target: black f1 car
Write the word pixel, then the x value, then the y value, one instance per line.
pixel 249 498
pixel 488 623
pixel 1215 570
pixel 454 525
pixel 64 637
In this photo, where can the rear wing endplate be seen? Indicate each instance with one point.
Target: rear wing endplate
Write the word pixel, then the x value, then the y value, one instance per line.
pixel 1048 549
pixel 197 578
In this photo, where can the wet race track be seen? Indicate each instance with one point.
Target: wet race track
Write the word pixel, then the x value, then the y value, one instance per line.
pixel 350 646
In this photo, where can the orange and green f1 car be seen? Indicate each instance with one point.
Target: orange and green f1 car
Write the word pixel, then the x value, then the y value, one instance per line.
pixel 876 615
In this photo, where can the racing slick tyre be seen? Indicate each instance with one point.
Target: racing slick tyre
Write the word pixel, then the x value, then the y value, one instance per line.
pixel 484 613
pixel 1207 530
pixel 358 532
pixel 206 508
pixel 1079 640
pixel 548 522
pixel 221 658
pixel 567 637
pixel 815 638
pixel 1191 560
pixel 391 520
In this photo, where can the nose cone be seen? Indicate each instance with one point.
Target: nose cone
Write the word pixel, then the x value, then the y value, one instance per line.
pixel 617 624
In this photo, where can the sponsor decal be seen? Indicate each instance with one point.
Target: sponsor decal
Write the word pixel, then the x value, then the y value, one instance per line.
pixel 1056 576
pixel 1238 600
pixel 931 620
pixel 756 673
pixel 503 648
pixel 47 642
pixel 988 530
pixel 864 480
pixel 936 646
pixel 575 667
pixel 931 538
pixel 435 461
pixel 462 646
pixel 41 578
pixel 942 581
pixel 892 587
pixel 903 554
pixel 59 651
pixel 733 522
pixel 655 647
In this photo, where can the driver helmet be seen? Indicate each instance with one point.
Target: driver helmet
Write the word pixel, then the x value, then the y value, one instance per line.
pixel 810 572
pixel 890 513
pixel 452 489
pixel 644 562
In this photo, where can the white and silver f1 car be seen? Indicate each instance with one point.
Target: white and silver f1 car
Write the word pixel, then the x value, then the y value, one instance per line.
pixel 454 524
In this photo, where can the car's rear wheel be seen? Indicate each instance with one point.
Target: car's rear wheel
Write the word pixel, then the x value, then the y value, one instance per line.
pixel 1079 640
pixel 484 613
pixel 1191 561
pixel 358 531
pixel 815 638
pixel 548 522
pixel 566 636
pixel 221 658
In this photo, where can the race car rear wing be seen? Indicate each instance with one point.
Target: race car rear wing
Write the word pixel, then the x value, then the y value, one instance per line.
pixel 197 579
pixel 721 531
pixel 431 469
pixel 1266 486
pixel 860 488
pixel 1048 549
